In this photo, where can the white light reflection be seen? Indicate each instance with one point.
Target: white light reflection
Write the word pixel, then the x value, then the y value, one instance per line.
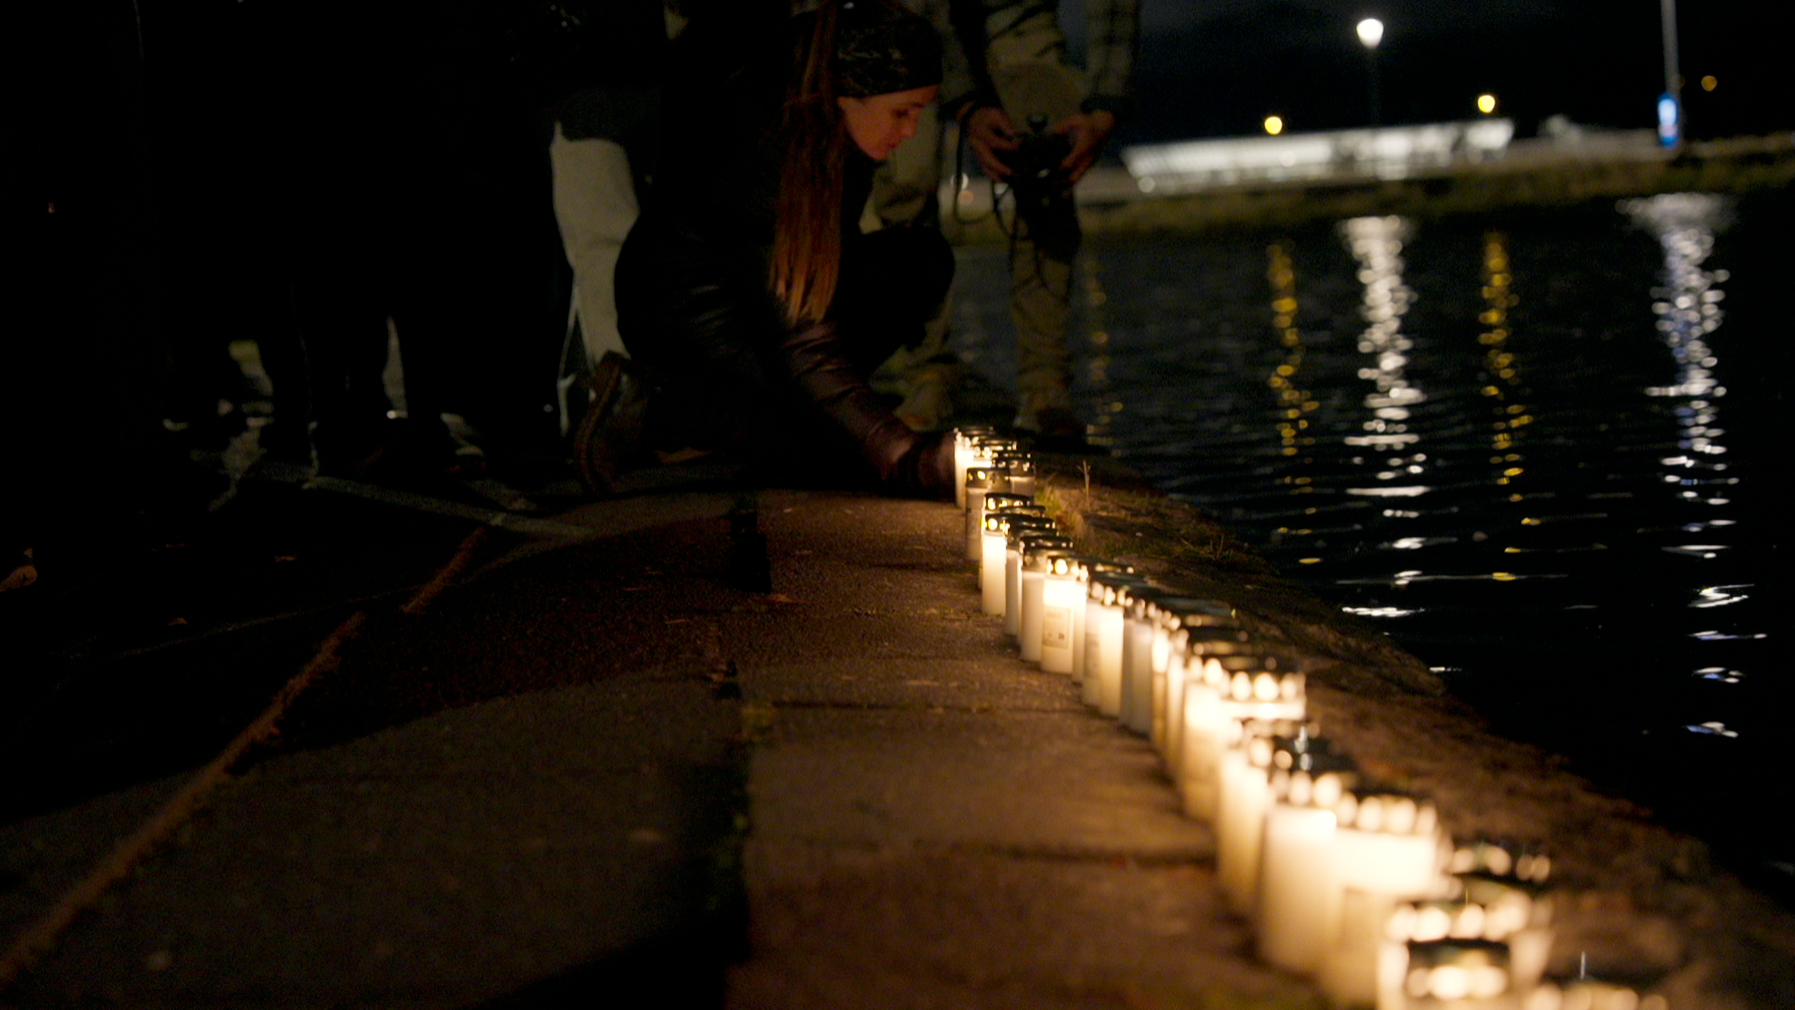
pixel 1376 242
pixel 1379 611
pixel 1719 596
pixel 1713 729
pixel 1720 674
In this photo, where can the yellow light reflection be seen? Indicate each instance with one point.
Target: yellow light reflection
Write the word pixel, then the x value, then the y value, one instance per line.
pixel 1709 83
pixel 1097 358
pixel 1294 402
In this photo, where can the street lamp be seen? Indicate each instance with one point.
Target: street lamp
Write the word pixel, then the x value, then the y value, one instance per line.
pixel 1371 32
pixel 1486 103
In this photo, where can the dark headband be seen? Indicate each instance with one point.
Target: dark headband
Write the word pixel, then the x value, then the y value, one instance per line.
pixel 877 52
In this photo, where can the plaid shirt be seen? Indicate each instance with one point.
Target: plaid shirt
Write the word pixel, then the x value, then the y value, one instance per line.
pixel 1110 42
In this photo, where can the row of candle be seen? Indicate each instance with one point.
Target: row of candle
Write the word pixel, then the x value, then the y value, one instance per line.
pixel 1345 880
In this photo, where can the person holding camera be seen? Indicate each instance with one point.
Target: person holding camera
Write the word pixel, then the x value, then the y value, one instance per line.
pixel 749 301
pixel 1034 122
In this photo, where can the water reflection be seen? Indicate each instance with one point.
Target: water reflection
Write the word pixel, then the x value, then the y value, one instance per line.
pixel 1504 387
pixel 1687 307
pixel 1294 402
pixel 1376 242
pixel 1099 431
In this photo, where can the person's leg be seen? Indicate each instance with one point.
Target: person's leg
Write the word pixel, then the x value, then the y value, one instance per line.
pixel 1040 305
pixel 595 206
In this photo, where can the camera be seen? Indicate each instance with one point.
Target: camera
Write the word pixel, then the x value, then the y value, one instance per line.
pixel 1037 178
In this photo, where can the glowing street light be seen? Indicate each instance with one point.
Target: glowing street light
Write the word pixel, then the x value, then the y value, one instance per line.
pixel 1371 32
pixel 1274 125
pixel 1486 104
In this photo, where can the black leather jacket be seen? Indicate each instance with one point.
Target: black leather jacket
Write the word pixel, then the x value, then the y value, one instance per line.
pixel 694 304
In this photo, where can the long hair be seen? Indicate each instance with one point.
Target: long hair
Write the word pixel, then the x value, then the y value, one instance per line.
pixel 806 262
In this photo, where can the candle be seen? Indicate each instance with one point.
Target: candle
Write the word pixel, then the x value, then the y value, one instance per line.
pixel 1296 868
pixel 1062 611
pixel 1103 640
pixel 980 481
pixel 992 544
pixel 994 501
pixel 1590 994
pixel 1136 710
pixel 1038 553
pixel 1080 640
pixel 1448 975
pixel 1244 793
pixel 1387 848
pixel 969 451
pixel 1193 637
pixel 1021 469
pixel 1220 696
pixel 1014 532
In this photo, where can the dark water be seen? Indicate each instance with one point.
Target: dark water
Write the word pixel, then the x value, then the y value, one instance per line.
pixel 1545 451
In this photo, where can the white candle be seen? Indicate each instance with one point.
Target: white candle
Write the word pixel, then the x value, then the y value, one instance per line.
pixel 1081 639
pixel 1103 640
pixel 1015 530
pixel 1296 870
pixel 1387 848
pixel 1136 710
pixel 1173 615
pixel 970 450
pixel 1021 470
pixel 1243 794
pixel 1062 612
pixel 1037 557
pixel 1590 994
pixel 1207 709
pixel 1448 975
pixel 980 481
pixel 994 501
pixel 1190 646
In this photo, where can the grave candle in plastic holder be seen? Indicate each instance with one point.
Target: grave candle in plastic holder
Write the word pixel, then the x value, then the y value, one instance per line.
pixel 994 501
pixel 1267 693
pixel 1081 639
pixel 1205 655
pixel 1243 796
pixel 1296 869
pixel 980 481
pixel 1448 975
pixel 1037 556
pixel 1020 468
pixel 1103 639
pixel 1508 900
pixel 1015 532
pixel 970 449
pixel 1387 848
pixel 1590 994
pixel 1062 611
pixel 1136 711
pixel 1190 637
pixel 992 544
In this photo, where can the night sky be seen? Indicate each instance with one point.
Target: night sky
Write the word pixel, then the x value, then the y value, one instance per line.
pixel 1218 67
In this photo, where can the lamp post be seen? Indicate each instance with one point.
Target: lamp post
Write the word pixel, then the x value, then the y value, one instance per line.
pixel 1371 32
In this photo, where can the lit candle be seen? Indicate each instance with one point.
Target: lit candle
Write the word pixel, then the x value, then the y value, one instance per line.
pixel 994 501
pixel 1522 910
pixel 1448 975
pixel 980 480
pixel 1014 532
pixel 1081 639
pixel 1244 794
pixel 1136 712
pixel 1590 994
pixel 1020 467
pixel 1387 848
pixel 993 542
pixel 1193 636
pixel 972 447
pixel 1296 870
pixel 1103 639
pixel 1037 555
pixel 1062 612
pixel 1220 695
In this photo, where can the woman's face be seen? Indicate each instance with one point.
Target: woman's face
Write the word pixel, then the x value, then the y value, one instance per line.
pixel 879 123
